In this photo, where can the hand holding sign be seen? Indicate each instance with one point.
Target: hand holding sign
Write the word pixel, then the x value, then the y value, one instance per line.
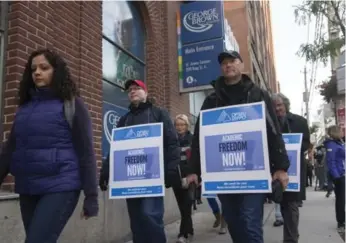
pixel 192 179
pixel 282 177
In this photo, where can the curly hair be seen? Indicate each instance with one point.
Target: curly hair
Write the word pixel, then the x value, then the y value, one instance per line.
pixel 62 84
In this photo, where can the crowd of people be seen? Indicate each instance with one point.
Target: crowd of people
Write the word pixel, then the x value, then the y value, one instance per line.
pixel 50 152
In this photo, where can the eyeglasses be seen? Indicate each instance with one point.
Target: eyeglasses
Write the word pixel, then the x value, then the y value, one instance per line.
pixel 134 88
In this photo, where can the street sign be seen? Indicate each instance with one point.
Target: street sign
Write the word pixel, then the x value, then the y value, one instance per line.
pixel 201 20
pixel 200 64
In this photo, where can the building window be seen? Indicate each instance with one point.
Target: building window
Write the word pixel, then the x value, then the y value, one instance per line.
pixel 123 58
pixel 123 45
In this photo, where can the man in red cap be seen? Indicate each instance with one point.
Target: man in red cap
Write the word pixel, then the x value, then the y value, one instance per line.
pixel 146 214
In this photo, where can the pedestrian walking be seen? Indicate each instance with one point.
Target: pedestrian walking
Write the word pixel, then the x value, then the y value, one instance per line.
pixel 243 212
pixel 182 194
pixel 50 149
pixel 335 159
pixel 319 156
pixel 292 123
pixel 310 167
pixel 146 214
pixel 309 173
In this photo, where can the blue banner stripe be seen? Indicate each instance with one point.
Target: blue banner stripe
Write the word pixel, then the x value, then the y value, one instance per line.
pixel 291 138
pixel 237 185
pixel 201 20
pixel 137 132
pixel 232 114
pixel 292 186
pixel 136 191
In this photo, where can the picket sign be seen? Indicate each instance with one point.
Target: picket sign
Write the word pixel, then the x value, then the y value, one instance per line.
pixel 293 143
pixel 234 150
pixel 136 162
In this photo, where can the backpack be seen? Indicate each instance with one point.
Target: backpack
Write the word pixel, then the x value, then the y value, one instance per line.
pixel 69 110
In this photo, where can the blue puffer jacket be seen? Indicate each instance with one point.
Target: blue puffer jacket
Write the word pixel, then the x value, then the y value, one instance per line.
pixel 44 159
pixel 335 158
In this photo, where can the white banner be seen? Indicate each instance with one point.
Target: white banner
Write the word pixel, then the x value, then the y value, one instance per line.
pixel 234 150
pixel 293 143
pixel 136 162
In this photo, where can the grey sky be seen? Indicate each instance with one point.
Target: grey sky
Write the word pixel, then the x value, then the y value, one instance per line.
pixel 287 37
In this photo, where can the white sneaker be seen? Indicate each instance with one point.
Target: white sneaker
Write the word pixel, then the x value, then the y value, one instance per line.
pixel 222 231
pixel 182 240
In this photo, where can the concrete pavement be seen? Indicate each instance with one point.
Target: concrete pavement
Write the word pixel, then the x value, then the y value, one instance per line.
pixel 317 223
pixel 203 221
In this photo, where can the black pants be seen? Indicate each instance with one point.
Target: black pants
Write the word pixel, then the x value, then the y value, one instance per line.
pixel 339 190
pixel 185 208
pixel 290 214
pixel 309 178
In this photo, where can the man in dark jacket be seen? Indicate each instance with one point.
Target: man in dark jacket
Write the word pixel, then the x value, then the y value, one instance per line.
pixel 146 214
pixel 244 212
pixel 292 123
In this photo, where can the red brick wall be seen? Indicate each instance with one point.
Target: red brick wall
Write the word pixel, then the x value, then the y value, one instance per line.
pixel 74 29
pixel 235 13
pixel 175 102
pixel 162 56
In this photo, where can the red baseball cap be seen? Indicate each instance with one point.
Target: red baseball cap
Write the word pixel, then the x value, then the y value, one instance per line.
pixel 139 83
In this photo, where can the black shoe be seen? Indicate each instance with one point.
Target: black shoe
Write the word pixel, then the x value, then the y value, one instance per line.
pixel 341 225
pixel 278 223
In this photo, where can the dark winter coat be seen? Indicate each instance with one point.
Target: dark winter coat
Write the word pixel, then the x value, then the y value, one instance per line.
pixel 46 155
pixel 335 158
pixel 185 153
pixel 147 113
pixel 298 124
pixel 248 93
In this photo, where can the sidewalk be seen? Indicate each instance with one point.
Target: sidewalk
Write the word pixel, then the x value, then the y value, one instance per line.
pixel 203 220
pixel 204 233
pixel 317 223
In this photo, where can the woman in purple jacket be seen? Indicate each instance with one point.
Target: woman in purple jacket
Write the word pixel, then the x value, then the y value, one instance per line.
pixel 50 149
pixel 335 159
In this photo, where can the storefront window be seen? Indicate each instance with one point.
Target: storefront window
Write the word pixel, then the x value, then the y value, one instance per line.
pixel 117 66
pixel 122 24
pixel 123 55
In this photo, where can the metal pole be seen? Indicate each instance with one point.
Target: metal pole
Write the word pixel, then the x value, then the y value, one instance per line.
pixel 306 97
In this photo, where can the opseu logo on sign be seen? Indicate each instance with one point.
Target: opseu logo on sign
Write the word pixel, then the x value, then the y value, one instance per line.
pixel 201 21
pixel 137 134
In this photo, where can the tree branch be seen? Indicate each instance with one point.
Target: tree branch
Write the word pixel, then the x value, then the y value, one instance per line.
pixel 337 16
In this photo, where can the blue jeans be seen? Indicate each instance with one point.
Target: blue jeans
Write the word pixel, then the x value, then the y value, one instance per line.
pixel 45 216
pixel 278 215
pixel 146 219
pixel 244 216
pixel 213 205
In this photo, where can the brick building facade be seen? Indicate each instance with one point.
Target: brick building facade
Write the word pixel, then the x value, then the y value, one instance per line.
pixel 78 31
pixel 251 25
